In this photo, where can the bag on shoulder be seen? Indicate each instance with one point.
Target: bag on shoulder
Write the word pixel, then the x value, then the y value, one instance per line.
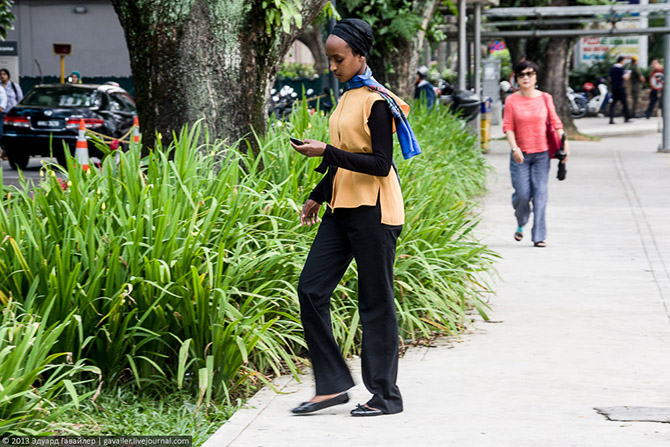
pixel 553 140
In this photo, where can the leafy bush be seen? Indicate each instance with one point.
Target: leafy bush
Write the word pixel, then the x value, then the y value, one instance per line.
pixel 506 68
pixel 179 271
pixel 32 378
pixel 296 70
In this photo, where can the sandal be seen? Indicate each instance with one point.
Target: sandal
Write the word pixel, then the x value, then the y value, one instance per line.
pixel 541 244
pixel 518 236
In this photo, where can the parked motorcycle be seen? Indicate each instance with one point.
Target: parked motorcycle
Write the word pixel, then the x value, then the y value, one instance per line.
pixel 578 103
pixel 281 102
pixel 597 105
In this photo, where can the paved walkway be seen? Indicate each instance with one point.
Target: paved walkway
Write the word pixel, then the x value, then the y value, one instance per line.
pixel 580 324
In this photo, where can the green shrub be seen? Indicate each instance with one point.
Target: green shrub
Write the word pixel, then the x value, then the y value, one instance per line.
pixel 32 377
pixel 296 70
pixel 181 273
pixel 506 68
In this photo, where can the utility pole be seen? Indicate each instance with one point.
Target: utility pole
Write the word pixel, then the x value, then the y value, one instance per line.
pixel 665 144
pixel 478 67
pixel 462 45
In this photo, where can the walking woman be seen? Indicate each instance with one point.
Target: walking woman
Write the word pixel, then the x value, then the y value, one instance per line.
pixel 362 222
pixel 525 125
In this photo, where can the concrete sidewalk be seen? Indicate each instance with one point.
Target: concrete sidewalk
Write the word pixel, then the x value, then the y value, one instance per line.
pixel 580 324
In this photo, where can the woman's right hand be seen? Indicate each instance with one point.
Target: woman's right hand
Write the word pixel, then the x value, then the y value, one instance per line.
pixel 310 213
pixel 517 155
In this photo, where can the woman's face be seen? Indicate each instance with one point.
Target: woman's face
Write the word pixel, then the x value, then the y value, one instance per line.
pixel 3 76
pixel 75 78
pixel 343 62
pixel 527 78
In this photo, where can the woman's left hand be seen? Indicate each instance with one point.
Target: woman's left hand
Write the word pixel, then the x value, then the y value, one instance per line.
pixel 311 148
pixel 566 147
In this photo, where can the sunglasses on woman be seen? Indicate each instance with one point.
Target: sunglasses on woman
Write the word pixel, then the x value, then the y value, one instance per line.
pixel 525 74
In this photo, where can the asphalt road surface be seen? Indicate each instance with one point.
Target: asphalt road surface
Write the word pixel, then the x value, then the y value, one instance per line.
pixel 32 171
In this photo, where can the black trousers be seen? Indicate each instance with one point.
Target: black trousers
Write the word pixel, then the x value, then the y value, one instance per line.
pixel 619 94
pixel 346 234
pixel 653 97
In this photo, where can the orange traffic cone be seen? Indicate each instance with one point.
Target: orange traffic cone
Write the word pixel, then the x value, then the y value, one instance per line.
pixel 81 150
pixel 136 130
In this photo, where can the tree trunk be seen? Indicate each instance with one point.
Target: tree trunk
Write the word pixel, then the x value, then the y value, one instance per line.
pixel 517 48
pixel 194 59
pixel 400 60
pixel 554 78
pixel 394 67
pixel 555 73
pixel 312 37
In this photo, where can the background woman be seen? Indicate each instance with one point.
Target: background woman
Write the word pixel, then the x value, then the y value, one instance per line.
pixel 524 124
pixel 75 78
pixel 363 222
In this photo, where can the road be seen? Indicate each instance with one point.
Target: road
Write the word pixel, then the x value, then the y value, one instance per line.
pixel 11 177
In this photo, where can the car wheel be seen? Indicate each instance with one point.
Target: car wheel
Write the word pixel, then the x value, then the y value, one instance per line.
pixel 18 161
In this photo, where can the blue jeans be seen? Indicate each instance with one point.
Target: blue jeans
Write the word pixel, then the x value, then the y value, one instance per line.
pixel 530 181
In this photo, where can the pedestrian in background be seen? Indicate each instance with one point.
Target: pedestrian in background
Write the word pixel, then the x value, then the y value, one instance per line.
pixel 75 77
pixel 617 76
pixel 636 82
pixel 525 125
pixel 362 222
pixel 12 89
pixel 656 84
pixel 3 110
pixel 423 89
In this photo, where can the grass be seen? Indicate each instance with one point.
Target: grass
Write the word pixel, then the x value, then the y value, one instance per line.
pixel 122 411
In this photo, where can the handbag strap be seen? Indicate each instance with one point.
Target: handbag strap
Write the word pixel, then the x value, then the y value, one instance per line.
pixel 546 104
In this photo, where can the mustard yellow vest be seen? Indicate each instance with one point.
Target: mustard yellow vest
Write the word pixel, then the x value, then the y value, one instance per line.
pixel 349 131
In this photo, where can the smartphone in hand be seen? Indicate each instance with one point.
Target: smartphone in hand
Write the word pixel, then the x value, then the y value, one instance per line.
pixel 297 142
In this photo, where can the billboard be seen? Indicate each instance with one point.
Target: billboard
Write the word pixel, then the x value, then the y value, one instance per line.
pixel 589 50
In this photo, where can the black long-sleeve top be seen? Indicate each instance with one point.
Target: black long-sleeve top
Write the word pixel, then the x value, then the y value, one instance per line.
pixel 377 163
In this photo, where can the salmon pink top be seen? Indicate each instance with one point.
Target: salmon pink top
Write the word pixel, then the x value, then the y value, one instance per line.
pixel 527 118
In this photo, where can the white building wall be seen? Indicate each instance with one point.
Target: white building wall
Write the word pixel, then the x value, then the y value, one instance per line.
pixel 98 44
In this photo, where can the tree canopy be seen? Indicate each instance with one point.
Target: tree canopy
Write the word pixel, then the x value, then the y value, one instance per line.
pixel 6 18
pixel 399 27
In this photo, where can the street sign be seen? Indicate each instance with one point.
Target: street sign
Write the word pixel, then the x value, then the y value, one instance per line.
pixel 62 49
pixel 656 81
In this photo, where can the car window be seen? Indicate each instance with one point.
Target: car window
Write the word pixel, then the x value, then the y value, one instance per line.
pixel 61 97
pixel 116 105
pixel 127 100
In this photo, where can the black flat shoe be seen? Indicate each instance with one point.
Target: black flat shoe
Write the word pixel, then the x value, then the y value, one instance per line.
pixel 364 410
pixel 311 407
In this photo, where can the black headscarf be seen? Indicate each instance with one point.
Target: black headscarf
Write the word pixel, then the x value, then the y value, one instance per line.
pixel 357 34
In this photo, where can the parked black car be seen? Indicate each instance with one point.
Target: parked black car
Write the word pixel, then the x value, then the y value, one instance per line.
pixel 49 116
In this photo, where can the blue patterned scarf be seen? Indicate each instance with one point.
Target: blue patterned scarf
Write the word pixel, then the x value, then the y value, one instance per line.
pixel 408 144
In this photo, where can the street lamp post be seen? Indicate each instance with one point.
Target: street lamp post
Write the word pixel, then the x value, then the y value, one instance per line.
pixel 665 145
